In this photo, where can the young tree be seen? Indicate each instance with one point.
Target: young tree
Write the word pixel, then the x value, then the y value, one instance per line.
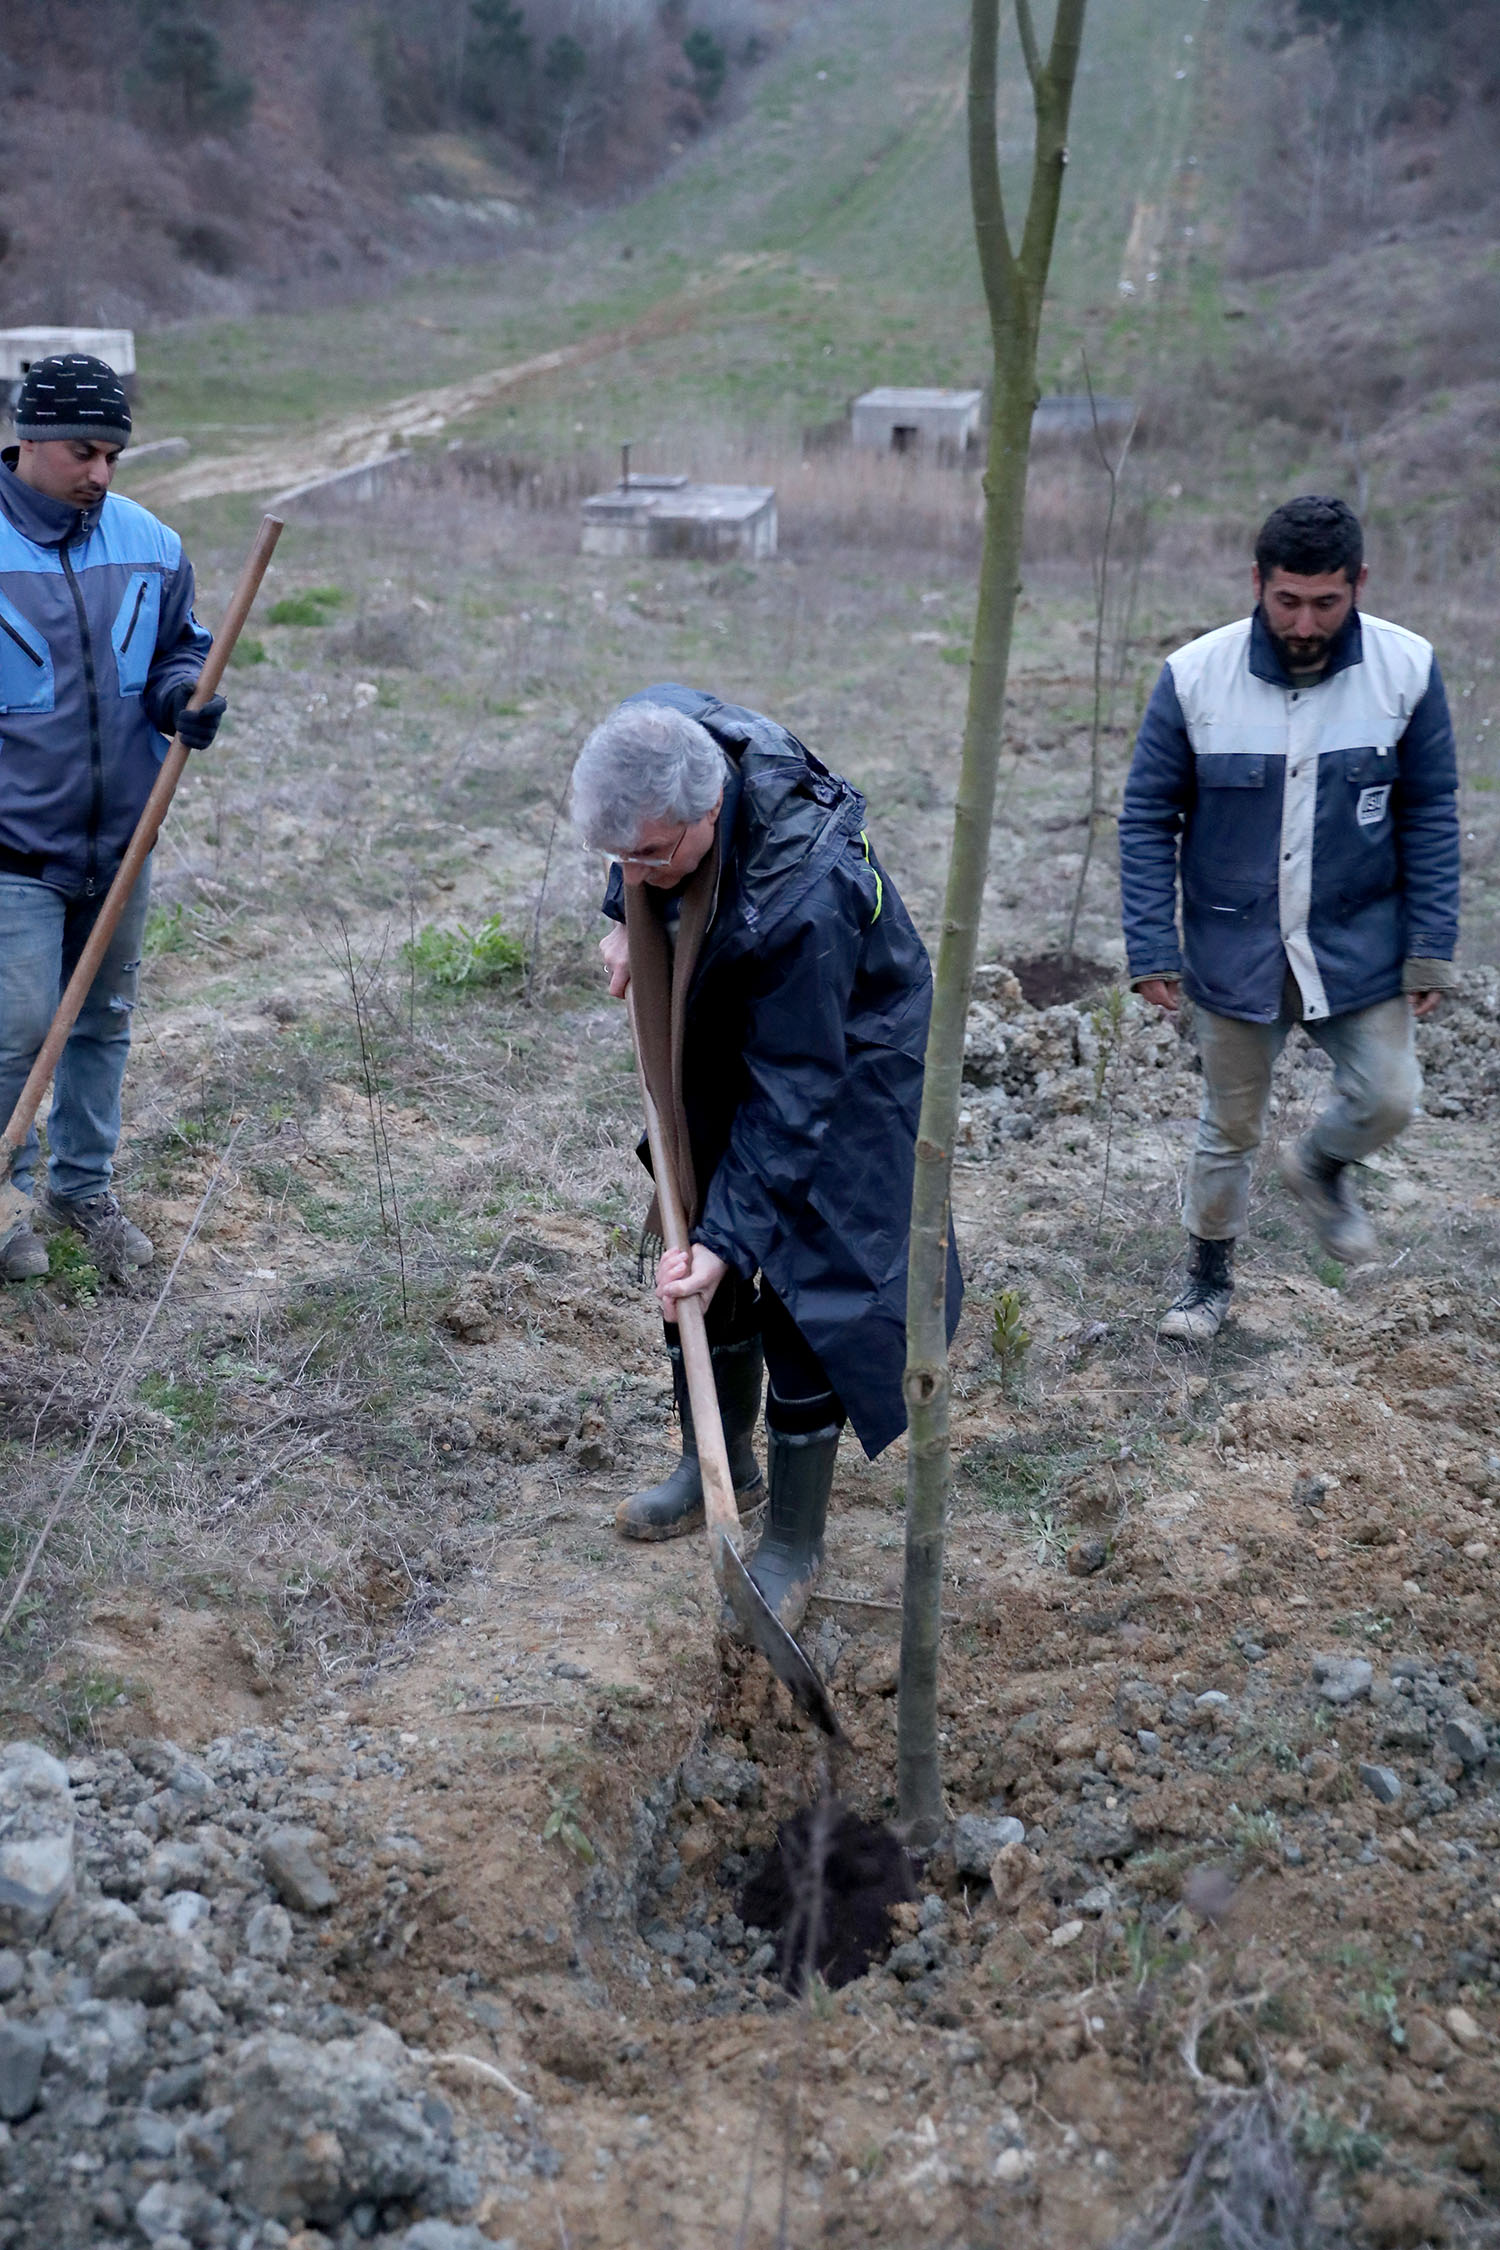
pixel 1015 282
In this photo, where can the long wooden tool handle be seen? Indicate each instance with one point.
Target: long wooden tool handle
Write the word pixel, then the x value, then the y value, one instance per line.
pixel 708 1429
pixel 136 851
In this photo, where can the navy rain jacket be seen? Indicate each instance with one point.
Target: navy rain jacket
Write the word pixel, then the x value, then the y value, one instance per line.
pixel 96 631
pixel 1314 828
pixel 803 1056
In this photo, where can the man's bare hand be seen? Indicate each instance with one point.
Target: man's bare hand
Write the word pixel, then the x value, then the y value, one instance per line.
pixel 616 951
pixel 1161 992
pixel 1425 1003
pixel 684 1273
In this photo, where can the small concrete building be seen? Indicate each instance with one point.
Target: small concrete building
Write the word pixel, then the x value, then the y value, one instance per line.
pixel 1067 418
pixel 919 421
pixel 20 347
pixel 646 515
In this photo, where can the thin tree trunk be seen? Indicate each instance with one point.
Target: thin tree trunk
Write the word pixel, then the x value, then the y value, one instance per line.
pixel 1014 283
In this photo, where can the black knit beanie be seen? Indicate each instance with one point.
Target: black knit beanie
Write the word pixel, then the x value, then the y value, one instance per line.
pixel 73 395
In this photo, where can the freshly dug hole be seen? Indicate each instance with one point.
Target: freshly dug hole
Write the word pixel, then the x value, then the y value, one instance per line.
pixel 827 1885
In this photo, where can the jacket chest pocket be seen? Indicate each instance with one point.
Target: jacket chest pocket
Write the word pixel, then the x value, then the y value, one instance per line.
pixel 133 633
pixel 26 682
pixel 1369 777
pixel 1231 769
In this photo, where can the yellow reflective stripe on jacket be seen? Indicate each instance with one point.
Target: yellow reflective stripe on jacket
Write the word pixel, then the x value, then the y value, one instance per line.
pixel 879 880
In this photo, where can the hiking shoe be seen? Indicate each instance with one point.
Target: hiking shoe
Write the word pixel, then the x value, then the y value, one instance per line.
pixel 1339 1220
pixel 1200 1312
pixel 117 1248
pixel 23 1254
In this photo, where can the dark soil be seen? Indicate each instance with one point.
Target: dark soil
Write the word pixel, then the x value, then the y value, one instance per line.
pixel 827 1887
pixel 1047 979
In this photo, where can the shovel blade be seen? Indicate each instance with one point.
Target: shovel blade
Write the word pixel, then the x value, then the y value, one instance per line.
pixel 764 1630
pixel 14 1207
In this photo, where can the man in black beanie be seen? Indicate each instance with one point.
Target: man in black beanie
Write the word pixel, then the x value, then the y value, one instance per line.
pixel 99 653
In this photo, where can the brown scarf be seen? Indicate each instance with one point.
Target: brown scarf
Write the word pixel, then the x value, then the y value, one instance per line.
pixel 662 979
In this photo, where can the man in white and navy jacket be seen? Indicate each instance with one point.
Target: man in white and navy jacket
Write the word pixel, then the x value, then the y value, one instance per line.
pixel 1295 774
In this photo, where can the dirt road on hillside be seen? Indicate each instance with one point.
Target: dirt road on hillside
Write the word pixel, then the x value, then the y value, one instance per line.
pixel 360 438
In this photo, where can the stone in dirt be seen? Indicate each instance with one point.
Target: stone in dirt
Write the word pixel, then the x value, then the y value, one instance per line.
pixel 1460 2025
pixel 1086 1556
pixel 22 2053
pixel 977 1837
pixel 1105 1832
pixel 153 1968
pixel 178 2211
pixel 286 1855
pixel 317 2129
pixel 36 1839
pixel 1342 1679
pixel 1383 1783
pixel 268 1934
pixel 439 2234
pixel 1466 1739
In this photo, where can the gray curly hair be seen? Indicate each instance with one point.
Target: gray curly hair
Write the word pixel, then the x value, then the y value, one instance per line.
pixel 645 762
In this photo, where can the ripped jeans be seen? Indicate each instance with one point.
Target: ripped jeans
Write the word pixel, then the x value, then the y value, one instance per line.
pixel 42 934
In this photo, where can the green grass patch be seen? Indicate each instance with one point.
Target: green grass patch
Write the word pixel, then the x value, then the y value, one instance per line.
pixel 464 957
pixel 248 650
pixel 315 605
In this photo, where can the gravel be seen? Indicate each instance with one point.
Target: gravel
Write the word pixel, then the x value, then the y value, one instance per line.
pixel 176 2068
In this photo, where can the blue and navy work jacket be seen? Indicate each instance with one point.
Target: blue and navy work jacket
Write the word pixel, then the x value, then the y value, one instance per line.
pixel 1312 828
pixel 96 631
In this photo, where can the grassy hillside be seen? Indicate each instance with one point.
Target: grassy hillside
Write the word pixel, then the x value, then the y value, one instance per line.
pixel 841 193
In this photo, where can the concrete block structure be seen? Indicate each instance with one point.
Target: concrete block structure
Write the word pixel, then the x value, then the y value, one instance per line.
pixel 20 347
pixel 946 423
pixel 666 515
pixel 1068 419
pixel 347 488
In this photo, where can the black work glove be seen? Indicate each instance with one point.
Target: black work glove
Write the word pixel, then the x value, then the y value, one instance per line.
pixel 196 728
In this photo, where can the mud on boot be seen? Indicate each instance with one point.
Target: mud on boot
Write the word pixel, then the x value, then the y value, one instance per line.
pixel 786 1564
pixel 23 1254
pixel 117 1248
pixel 1200 1312
pixel 674 1507
pixel 1339 1219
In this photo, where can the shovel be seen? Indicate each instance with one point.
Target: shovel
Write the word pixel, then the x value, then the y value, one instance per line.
pixel 13 1205
pixel 754 1616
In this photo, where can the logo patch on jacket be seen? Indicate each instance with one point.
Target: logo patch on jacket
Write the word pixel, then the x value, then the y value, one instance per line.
pixel 1371 806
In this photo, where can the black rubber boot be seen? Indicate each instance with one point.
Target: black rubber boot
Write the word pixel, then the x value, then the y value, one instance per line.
pixel 785 1565
pixel 674 1507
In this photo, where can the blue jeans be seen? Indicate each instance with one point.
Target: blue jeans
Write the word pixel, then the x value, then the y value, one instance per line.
pixel 42 934
pixel 1376 1086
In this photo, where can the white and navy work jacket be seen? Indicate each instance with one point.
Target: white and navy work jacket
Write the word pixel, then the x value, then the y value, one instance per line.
pixel 98 643
pixel 1312 828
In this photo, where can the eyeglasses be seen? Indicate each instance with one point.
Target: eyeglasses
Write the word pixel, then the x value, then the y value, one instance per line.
pixel 650 859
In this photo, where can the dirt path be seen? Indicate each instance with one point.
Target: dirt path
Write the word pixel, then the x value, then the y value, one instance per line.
pixel 367 437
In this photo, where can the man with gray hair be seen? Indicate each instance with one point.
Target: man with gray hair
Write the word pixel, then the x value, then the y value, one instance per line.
pixel 782 996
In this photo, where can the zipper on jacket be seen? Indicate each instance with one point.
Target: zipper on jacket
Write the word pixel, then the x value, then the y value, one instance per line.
pixel 140 596
pixel 96 752
pixel 24 646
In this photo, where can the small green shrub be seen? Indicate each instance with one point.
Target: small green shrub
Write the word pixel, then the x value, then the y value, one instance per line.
pixel 166 929
pixel 1010 1338
pixel 70 1267
pixel 315 605
pixel 455 958
pixel 248 650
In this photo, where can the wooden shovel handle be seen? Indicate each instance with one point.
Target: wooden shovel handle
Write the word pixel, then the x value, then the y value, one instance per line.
pixel 708 1429
pixel 137 850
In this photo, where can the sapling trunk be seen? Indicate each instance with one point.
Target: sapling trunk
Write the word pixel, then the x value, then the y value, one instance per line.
pixel 1014 284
